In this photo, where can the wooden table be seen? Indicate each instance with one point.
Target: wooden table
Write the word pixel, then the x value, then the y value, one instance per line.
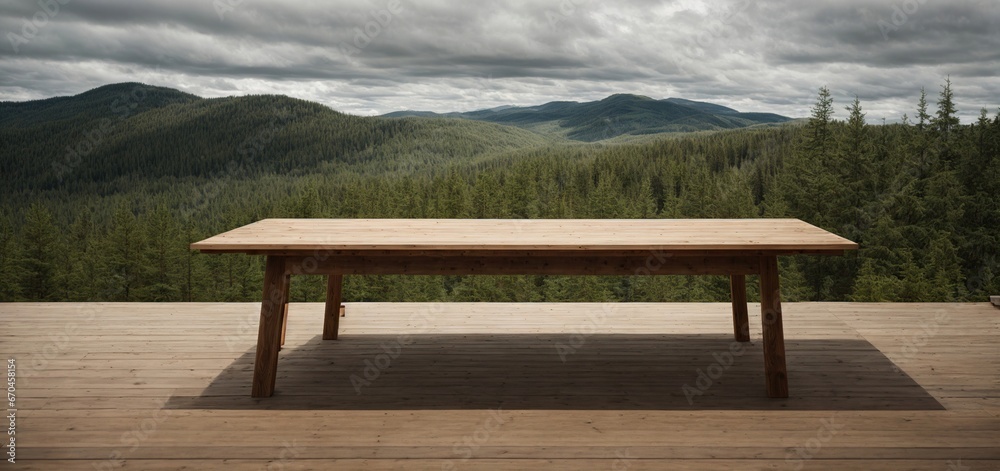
pixel 338 247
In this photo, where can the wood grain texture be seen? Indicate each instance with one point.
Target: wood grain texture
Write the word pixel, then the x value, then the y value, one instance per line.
pixel 269 330
pixel 582 264
pixel 738 295
pixel 291 235
pixel 775 371
pixel 173 380
pixel 333 309
pixel 284 310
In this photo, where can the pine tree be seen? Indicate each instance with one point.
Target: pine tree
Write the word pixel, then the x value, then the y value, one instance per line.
pixel 819 132
pixel 809 173
pixel 855 174
pixel 10 259
pixel 486 197
pixel 40 238
pixel 913 283
pixel 122 256
pixel 920 159
pixel 190 266
pixel 520 196
pixel 162 256
pixel 923 118
pixel 870 286
pixel 944 271
pixel 946 119
pixel 604 202
pixel 454 201
pixel 643 206
pixel 85 259
pixel 307 205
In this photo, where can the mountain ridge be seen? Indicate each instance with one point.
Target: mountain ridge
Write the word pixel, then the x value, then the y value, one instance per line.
pixel 617 115
pixel 125 131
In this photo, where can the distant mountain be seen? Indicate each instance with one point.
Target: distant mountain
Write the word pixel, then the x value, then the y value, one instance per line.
pixel 121 132
pixel 614 116
pixel 114 100
pixel 127 131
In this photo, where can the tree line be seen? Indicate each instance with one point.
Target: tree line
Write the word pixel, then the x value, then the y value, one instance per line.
pixel 920 197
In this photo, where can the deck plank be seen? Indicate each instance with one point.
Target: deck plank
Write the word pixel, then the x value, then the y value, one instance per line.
pixel 166 386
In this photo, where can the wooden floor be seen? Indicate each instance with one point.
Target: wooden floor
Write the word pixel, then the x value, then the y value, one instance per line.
pixel 505 387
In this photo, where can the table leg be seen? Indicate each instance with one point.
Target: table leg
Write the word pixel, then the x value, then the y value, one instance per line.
pixel 284 310
pixel 774 336
pixel 741 322
pixel 334 296
pixel 265 367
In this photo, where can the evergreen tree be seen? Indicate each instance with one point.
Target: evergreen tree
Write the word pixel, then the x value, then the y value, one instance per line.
pixel 923 117
pixel 819 130
pixel 946 119
pixel 455 202
pixel 85 259
pixel 856 172
pixel 486 203
pixel 944 271
pixel 604 202
pixel 122 256
pixel 10 259
pixel 162 257
pixel 40 239
pixel 920 160
pixel 870 286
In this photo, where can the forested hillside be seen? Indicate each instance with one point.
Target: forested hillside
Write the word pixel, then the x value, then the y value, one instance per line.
pixel 616 115
pixel 105 140
pixel 920 197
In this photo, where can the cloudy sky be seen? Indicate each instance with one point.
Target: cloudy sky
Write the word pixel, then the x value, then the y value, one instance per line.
pixel 376 56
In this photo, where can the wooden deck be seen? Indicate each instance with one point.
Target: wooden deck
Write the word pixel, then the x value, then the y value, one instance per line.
pixel 564 387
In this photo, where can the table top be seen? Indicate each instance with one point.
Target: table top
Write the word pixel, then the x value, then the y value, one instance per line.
pixel 771 236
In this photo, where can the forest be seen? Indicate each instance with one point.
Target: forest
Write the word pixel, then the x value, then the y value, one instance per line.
pixel 104 192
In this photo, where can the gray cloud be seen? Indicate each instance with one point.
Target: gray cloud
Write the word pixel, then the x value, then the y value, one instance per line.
pixel 444 55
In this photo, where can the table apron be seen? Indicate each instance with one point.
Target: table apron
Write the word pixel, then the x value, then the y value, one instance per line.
pixel 649 264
